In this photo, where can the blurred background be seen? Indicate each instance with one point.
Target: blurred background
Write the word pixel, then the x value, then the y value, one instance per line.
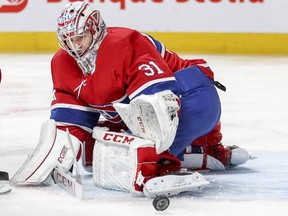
pixel 187 26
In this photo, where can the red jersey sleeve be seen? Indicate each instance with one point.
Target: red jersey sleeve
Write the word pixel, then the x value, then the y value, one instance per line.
pixel 177 63
pixel 66 109
pixel 144 65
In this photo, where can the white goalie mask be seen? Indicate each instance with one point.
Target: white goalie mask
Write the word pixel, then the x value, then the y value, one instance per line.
pixel 80 32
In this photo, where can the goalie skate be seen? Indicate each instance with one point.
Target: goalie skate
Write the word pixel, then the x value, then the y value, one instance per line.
pixel 171 185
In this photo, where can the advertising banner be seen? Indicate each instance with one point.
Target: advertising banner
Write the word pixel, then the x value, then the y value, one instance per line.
pixel 246 16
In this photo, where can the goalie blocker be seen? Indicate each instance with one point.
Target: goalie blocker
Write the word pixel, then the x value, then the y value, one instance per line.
pixel 128 163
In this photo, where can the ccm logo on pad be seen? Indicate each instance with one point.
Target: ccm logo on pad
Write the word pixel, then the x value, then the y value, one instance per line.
pixel 117 138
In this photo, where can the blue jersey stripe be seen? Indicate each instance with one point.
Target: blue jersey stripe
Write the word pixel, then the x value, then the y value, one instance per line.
pixel 161 86
pixel 75 117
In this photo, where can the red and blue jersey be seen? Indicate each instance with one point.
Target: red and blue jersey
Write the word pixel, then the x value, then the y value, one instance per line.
pixel 128 64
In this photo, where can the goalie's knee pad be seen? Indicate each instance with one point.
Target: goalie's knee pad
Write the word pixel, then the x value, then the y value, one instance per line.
pixel 125 162
pixel 56 148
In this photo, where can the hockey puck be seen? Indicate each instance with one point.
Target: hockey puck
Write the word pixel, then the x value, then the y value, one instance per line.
pixel 161 203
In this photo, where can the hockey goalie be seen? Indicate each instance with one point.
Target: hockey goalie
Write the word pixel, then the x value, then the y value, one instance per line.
pixel 162 112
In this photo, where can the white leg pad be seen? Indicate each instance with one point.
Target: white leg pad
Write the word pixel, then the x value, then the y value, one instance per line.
pixel 112 166
pixel 115 160
pixel 53 150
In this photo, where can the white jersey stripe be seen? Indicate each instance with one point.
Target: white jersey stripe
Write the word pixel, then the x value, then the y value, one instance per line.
pixel 152 82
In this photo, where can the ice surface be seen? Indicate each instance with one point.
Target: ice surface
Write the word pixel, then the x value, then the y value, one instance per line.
pixel 254 117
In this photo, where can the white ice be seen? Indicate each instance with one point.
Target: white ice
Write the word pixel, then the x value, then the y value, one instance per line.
pixel 254 117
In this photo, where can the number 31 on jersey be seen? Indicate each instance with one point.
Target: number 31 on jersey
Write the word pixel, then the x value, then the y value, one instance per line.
pixel 151 69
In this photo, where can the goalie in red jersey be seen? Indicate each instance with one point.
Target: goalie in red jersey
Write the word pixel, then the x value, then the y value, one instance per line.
pixel 162 112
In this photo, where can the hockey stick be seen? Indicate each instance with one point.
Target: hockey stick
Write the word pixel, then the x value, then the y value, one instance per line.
pixel 65 180
pixel 68 183
pixel 4 183
pixel 78 176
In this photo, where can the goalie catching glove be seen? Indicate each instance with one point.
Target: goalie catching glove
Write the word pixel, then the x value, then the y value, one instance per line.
pixel 152 117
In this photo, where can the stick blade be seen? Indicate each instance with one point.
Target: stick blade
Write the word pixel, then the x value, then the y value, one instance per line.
pixel 5 187
pixel 68 183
